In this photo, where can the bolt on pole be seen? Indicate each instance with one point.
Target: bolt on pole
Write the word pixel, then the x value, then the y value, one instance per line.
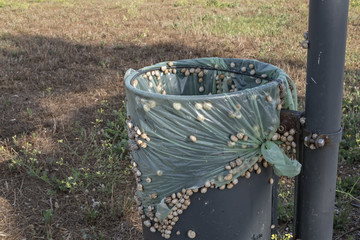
pixel 316 185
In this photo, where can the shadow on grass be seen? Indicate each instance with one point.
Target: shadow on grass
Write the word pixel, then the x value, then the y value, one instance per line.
pixel 51 89
pixel 47 79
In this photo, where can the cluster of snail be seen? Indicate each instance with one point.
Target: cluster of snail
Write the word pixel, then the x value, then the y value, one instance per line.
pixel 234 138
pixel 136 137
pixel 180 201
pixel 154 77
pixel 219 80
pixel 288 141
pixel 234 167
pixel 200 74
pixel 252 72
pixel 235 114
pixel 207 106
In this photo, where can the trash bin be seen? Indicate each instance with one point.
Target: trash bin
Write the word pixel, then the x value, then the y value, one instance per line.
pixel 204 146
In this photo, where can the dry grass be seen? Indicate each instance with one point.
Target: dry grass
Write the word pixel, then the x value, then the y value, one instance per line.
pixel 61 59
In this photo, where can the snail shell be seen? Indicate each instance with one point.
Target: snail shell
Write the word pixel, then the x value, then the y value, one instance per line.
pixel 193 138
pixel 177 106
pixel 198 106
pixel 271 181
pixel 200 117
pixel 147 223
pixel 191 234
pixel 207 106
pixel 268 98
pixel 228 177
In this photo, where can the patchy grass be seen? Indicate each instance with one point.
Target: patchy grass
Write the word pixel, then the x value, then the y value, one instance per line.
pixel 25 4
pixel 64 171
pixel 355 4
pixel 131 8
pixel 350 145
pixel 286 202
pixel 232 19
pixel 258 25
pixel 91 166
pixel 348 191
pixel 15 5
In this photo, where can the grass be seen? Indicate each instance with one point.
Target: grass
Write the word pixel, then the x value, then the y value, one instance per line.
pixel 64 167
pixel 25 4
pixel 348 189
pixel 232 19
pixel 99 178
pixel 131 8
pixel 350 145
pixel 287 236
pixel 286 201
pixel 223 25
pixel 16 5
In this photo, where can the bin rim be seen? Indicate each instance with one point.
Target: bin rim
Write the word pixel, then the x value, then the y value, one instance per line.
pixel 150 95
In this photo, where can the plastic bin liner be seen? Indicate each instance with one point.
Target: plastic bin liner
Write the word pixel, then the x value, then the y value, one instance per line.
pixel 189 119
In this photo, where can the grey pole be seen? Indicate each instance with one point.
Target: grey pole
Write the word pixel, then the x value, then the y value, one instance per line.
pixel 325 72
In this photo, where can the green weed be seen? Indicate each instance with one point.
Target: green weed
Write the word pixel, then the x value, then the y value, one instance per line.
pixel 13 4
pixel 346 190
pixel 354 4
pixel 49 91
pixel 181 3
pixel 101 167
pixel 108 146
pixel 27 158
pixel 285 203
pixel 287 236
pixel 25 4
pixel 341 216
pixel 29 112
pixel 48 218
pixel 349 187
pixel 102 64
pixel 206 3
pixel 221 4
pixel 350 144
pixel 105 151
pixel 131 7
pixel 92 234
pixel 91 215
pixel 5 104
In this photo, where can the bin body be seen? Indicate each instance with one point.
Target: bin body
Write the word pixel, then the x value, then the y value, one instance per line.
pixel 243 212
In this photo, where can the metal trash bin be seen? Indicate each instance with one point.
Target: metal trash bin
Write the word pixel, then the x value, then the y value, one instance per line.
pixel 200 126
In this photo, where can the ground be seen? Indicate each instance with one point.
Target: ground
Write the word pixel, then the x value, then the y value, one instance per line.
pixel 64 170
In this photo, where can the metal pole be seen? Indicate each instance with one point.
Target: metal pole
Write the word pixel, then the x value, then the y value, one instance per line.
pixel 325 72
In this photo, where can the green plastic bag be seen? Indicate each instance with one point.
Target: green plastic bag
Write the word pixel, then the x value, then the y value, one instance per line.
pixel 189 119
